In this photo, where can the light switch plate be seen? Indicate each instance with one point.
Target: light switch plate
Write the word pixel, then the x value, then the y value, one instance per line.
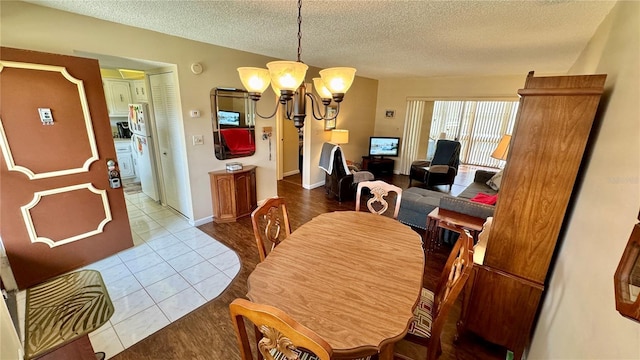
pixel 198 139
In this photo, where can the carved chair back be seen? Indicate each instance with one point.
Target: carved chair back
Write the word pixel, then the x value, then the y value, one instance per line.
pixel 452 280
pixel 274 330
pixel 379 191
pixel 269 220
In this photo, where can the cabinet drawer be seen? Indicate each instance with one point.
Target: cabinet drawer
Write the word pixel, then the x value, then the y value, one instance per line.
pixel 123 147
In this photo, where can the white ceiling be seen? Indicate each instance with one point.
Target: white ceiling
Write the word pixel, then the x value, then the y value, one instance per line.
pixel 382 39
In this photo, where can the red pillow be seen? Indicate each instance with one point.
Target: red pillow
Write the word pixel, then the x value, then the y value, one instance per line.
pixel 485 199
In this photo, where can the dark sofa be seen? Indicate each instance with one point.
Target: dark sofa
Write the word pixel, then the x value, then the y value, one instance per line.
pixel 417 202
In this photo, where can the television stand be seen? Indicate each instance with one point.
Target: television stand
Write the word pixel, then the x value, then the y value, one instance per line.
pixel 378 166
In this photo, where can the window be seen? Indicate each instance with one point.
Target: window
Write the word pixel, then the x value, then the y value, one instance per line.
pixel 478 125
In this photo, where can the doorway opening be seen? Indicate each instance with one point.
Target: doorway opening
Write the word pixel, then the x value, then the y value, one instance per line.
pixel 152 161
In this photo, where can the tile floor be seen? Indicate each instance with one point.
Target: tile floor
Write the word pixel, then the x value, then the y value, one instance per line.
pixel 172 269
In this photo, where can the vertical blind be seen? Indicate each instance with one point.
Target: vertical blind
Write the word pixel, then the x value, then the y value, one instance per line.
pixel 411 135
pixel 478 125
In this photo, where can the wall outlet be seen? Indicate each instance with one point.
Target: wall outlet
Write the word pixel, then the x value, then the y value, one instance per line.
pixel 194 113
pixel 198 139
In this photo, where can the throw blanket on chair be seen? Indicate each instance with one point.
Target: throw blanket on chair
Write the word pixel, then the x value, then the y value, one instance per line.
pixel 239 141
pixel 326 158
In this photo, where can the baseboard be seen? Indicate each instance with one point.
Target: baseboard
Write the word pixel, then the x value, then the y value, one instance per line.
pixel 289 173
pixel 202 221
pixel 313 186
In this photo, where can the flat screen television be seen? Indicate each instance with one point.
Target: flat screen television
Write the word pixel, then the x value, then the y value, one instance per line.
pixel 383 146
pixel 229 118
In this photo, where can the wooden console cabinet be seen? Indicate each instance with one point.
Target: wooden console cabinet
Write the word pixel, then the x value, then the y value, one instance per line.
pixel 233 193
pixel 377 166
pixel 554 120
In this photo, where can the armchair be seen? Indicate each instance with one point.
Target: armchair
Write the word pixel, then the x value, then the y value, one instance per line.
pixel 442 170
pixel 339 178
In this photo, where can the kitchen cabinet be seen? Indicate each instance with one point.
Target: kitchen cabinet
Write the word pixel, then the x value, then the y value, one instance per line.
pixel 504 293
pixel 125 159
pixel 233 193
pixel 118 96
pixel 139 91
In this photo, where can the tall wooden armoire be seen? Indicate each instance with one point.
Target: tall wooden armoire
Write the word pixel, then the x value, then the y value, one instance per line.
pixel 553 124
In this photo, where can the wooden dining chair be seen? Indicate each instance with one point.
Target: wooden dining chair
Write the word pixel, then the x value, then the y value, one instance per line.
pixel 279 336
pixel 379 191
pixel 431 312
pixel 268 221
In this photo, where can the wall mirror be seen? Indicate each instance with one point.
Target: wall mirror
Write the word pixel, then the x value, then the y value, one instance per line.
pixel 233 123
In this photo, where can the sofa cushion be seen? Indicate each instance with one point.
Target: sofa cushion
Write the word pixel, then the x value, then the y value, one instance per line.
pixel 416 204
pixel 465 206
pixel 474 188
pixel 495 181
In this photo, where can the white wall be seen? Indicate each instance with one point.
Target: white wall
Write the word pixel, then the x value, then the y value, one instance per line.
pixel 579 319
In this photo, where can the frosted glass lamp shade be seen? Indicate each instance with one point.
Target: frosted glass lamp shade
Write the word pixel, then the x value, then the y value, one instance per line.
pixel 340 136
pixel 321 89
pixel 339 79
pixel 276 90
pixel 287 75
pixel 502 150
pixel 255 80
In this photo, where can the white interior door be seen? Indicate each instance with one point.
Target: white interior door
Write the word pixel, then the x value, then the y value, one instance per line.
pixel 170 141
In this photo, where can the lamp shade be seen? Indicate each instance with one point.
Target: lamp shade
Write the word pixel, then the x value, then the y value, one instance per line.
pixel 255 80
pixel 340 136
pixel 338 79
pixel 502 150
pixel 287 75
pixel 321 89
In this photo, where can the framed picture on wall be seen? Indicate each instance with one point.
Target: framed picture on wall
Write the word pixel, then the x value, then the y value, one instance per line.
pixel 331 113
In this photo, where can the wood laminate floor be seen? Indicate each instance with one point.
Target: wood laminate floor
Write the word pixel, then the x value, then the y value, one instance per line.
pixel 207 333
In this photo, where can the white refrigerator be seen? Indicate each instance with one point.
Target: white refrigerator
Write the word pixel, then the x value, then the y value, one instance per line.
pixel 143 149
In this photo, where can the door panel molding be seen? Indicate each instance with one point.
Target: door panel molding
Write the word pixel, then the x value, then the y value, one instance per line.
pixel 4 141
pixel 37 196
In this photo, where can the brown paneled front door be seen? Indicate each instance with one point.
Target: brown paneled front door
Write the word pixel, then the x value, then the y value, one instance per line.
pixel 57 209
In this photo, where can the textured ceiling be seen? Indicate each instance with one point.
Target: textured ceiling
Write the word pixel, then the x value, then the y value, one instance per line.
pixel 382 39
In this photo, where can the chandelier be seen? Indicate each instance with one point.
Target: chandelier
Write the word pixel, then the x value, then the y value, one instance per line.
pixel 287 80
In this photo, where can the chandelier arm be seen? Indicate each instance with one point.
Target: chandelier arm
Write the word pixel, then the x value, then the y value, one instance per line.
pixel 255 109
pixel 288 107
pixel 315 108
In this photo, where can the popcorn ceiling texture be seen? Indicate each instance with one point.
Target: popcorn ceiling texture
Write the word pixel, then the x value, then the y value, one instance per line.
pixel 382 39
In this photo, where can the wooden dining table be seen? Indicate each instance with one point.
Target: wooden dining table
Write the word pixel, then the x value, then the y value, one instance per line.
pixel 354 278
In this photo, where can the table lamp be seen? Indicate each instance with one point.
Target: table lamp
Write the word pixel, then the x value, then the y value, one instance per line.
pixel 502 150
pixel 339 136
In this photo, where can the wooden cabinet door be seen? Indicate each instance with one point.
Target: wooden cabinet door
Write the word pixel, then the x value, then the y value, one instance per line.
pixel 118 97
pixel 138 91
pixel 225 199
pixel 243 194
pixel 125 164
